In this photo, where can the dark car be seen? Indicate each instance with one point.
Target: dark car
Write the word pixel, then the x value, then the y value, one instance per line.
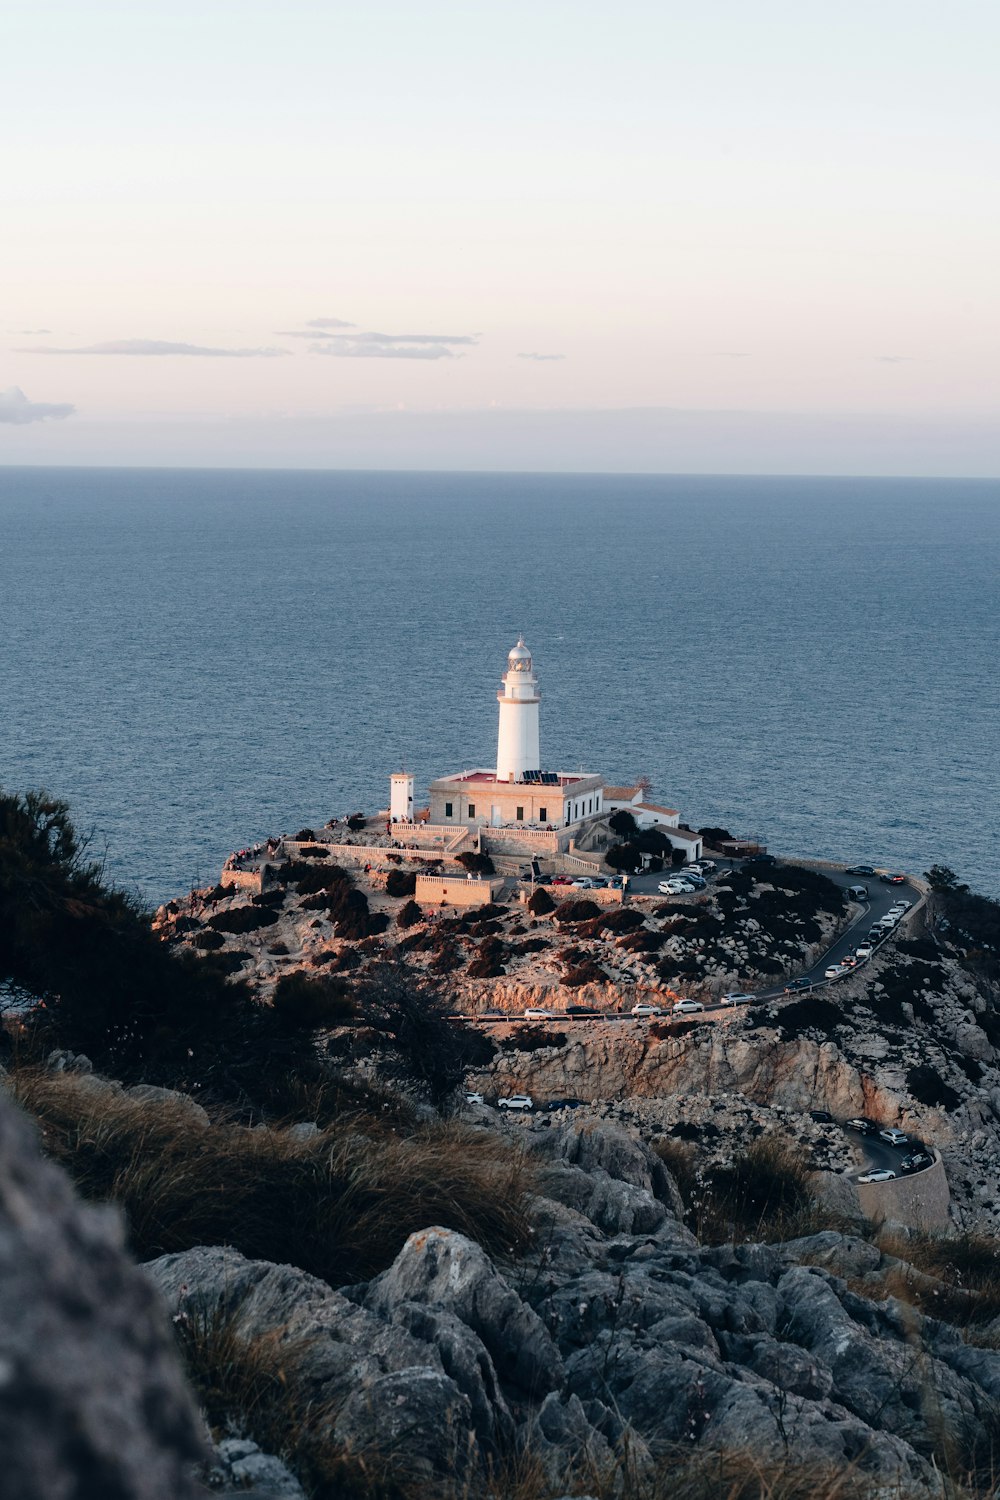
pixel 760 859
pixel 861 870
pixel 821 1116
pixel 554 1104
pixel 581 1010
pixel 862 1126
pixel 797 984
pixel 888 879
pixel 916 1162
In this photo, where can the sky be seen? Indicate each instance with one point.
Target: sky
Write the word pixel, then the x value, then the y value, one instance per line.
pixel 730 237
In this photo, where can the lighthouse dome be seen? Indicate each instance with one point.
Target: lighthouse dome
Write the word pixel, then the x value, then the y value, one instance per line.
pixel 519 657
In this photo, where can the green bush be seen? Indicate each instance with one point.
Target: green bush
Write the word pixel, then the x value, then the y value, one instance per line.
pixel 243 919
pixel 540 903
pixel 301 1001
pixel 409 915
pixel 400 883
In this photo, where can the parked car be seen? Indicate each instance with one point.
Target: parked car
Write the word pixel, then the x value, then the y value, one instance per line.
pixel 647 1010
pixel 583 883
pixel 666 888
pixel 561 880
pixel 893 1136
pixel 707 864
pixel 916 1162
pixel 553 1104
pixel 538 1013
pixel 794 985
pixel 863 951
pixel 581 1010
pixel 821 1116
pixel 687 1007
pixel 760 859
pixel 902 905
pixel 861 1125
pixel 474 1099
pixel 516 1101
pixel 834 971
pixel 861 869
pixel 736 998
pixel 882 1174
pixel 682 887
pixel 858 892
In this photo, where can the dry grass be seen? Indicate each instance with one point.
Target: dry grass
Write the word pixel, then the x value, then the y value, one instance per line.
pixel 339 1204
pixel 955 1278
pixel 764 1193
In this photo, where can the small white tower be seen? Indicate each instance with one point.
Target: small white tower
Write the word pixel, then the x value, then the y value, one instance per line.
pixel 401 797
pixel 517 742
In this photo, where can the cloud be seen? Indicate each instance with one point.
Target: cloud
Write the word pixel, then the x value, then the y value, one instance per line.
pixel 16 410
pixel 329 323
pixel 160 347
pixel 541 358
pixel 893 359
pixel 31 331
pixel 394 345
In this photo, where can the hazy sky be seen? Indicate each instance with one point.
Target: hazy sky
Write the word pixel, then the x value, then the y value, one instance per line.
pixel 548 235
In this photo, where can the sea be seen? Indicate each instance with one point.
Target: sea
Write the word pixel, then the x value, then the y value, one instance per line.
pixel 196 659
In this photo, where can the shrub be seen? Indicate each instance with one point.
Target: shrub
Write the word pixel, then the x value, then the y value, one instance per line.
pixel 400 883
pixel 305 836
pixel 531 945
pixel 714 837
pixel 928 1087
pixel 811 1013
pixel 620 919
pixel 356 822
pixel 476 864
pixel 531 1039
pixel 540 903
pixel 243 919
pixel 764 1193
pixel 577 911
pixel 209 941
pixel 586 973
pixel 312 1002
pixel 622 823
pixel 311 879
pixel 339 1205
pixel 314 851
pixel 624 857
pixel 409 915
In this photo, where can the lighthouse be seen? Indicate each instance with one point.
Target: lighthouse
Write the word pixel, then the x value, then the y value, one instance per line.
pixel 517 739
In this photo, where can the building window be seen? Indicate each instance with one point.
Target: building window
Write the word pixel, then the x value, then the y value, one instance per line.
pixel 520 814
pixel 543 814
pixel 448 810
pixel 472 809
pixel 590 805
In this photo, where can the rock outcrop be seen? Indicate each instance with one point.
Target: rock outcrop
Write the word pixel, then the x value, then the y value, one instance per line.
pixel 618 1333
pixel 92 1400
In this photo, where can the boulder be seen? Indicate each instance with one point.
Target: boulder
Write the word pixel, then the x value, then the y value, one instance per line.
pixel 240 1468
pixel 442 1268
pixel 93 1395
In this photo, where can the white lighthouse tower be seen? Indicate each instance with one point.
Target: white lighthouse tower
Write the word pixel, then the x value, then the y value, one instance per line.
pixel 517 741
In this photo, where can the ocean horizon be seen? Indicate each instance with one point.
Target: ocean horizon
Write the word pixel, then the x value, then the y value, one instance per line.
pixel 196 658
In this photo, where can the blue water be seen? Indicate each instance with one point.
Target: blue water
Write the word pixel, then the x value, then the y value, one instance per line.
pixel 195 659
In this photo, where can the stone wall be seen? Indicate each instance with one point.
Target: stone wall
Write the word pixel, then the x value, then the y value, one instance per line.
pixel 454 890
pixel 921 1201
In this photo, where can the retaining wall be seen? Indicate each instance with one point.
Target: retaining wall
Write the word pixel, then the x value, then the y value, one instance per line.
pixel 921 1201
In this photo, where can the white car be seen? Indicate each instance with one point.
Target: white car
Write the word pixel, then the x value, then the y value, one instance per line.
pixel 902 905
pixel 708 864
pixel 584 883
pixel 474 1099
pixel 863 951
pixel 516 1101
pixel 680 887
pixel 882 1175
pixel 687 1007
pixel 537 1013
pixel 736 998
pixel 667 888
pixel 835 971
pixel 646 1010
pixel 893 1136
